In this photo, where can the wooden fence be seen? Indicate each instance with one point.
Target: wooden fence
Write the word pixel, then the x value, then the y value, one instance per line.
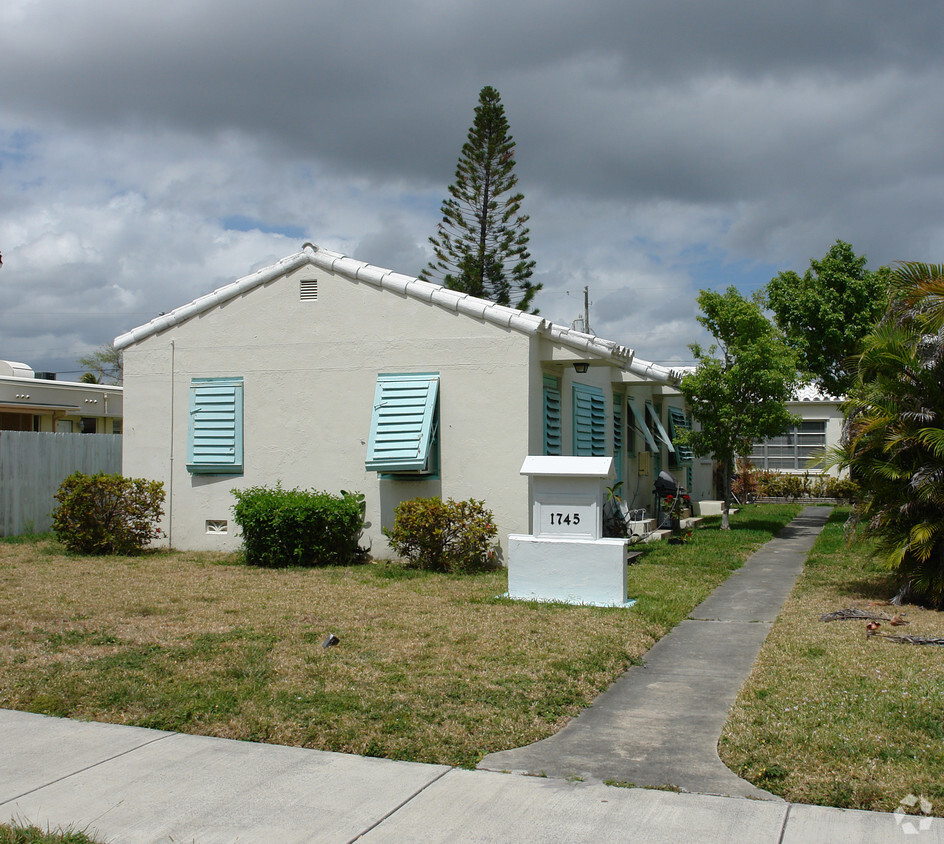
pixel 32 466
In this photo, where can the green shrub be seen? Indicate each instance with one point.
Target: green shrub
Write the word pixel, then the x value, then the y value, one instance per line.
pixel 845 489
pixel 786 485
pixel 450 536
pixel 107 514
pixel 298 527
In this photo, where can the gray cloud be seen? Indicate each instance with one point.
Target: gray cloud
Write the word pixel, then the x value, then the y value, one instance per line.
pixel 661 147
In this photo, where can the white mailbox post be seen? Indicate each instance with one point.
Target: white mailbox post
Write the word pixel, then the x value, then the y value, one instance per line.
pixel 566 558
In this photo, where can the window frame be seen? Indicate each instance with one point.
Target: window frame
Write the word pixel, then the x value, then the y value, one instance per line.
pixel 789 445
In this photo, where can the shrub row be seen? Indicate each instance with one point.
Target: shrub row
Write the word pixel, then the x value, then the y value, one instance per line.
pixel 296 527
pixel 766 484
pixel 111 514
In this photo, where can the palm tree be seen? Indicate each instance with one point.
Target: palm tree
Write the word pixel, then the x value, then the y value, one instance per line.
pixel 894 440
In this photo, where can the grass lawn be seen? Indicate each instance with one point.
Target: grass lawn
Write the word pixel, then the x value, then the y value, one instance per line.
pixel 831 717
pixel 429 668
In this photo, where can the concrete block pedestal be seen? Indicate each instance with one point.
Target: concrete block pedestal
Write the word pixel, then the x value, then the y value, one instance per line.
pixel 571 571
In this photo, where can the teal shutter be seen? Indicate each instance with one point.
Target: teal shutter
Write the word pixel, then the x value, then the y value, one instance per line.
pixel 660 431
pixel 618 435
pixel 215 428
pixel 589 421
pixel 403 423
pixel 641 425
pixel 678 421
pixel 552 416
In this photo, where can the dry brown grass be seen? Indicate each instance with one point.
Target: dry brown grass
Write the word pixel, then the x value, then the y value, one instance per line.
pixel 430 667
pixel 832 717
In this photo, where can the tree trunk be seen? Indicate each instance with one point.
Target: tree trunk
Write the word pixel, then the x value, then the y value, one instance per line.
pixel 725 524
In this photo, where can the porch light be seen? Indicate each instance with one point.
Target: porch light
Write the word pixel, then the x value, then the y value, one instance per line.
pixel 581 366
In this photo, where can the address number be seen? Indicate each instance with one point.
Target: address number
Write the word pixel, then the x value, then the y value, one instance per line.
pixel 565 518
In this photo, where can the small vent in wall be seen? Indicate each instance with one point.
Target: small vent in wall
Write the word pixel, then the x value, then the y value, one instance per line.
pixel 216 526
pixel 308 289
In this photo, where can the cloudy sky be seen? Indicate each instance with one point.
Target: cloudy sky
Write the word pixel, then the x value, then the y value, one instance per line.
pixel 150 152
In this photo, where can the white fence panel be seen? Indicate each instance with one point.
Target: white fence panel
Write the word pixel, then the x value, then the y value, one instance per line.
pixel 32 466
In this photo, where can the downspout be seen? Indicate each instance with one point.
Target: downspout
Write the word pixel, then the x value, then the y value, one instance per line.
pixel 170 484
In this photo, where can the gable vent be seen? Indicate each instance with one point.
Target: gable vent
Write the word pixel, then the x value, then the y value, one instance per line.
pixel 308 289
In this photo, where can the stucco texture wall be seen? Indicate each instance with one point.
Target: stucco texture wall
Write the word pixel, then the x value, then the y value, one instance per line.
pixel 309 370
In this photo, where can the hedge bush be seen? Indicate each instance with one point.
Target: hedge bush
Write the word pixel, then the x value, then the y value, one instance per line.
pixel 795 486
pixel 445 536
pixel 297 527
pixel 107 514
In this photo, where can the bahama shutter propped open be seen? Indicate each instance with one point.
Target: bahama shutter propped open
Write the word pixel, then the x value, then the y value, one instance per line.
pixel 404 424
pixel 679 423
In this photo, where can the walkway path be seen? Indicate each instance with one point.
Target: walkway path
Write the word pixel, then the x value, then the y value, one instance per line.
pixel 659 724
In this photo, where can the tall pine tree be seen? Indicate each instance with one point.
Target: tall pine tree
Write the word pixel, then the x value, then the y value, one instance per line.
pixel 481 245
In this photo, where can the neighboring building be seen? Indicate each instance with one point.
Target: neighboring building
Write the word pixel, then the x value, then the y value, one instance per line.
pixel 30 402
pixel 325 372
pixel 800 449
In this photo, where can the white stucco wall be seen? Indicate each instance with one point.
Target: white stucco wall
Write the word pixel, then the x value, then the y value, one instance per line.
pixel 309 370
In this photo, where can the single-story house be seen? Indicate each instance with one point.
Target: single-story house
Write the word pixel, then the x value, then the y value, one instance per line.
pixel 31 402
pixel 325 372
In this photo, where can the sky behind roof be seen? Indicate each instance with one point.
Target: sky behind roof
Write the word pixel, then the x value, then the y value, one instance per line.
pixel 150 153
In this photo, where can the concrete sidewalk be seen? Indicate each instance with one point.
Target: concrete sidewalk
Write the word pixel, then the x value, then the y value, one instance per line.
pixel 128 784
pixel 659 724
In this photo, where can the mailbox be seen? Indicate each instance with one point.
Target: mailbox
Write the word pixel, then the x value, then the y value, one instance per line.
pixel 567 495
pixel 566 557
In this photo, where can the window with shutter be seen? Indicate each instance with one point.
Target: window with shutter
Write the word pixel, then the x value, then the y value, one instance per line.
pixel 589 421
pixel 215 429
pixel 640 424
pixel 660 431
pixel 404 424
pixel 679 422
pixel 618 435
pixel 552 415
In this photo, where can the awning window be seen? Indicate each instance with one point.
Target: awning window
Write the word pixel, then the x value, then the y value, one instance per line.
pixel 679 422
pixel 641 425
pixel 660 431
pixel 403 423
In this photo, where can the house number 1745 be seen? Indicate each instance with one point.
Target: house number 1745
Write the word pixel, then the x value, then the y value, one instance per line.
pixel 565 518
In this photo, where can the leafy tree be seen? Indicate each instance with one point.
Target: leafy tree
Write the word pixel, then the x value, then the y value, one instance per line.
pixel 104 365
pixel 894 436
pixel 738 392
pixel 826 313
pixel 481 244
